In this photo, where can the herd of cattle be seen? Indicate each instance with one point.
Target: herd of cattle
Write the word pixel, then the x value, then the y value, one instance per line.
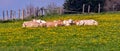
pixel 56 23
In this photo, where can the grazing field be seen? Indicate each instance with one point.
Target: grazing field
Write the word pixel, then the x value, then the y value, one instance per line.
pixel 104 37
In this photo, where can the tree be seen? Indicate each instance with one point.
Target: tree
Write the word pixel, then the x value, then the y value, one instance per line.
pixel 76 5
pixel 112 5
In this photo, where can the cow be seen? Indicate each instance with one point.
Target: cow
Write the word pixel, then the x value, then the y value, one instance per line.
pixel 39 21
pixel 30 24
pixel 50 24
pixel 78 22
pixel 86 22
pixel 59 22
pixel 68 22
pixel 34 23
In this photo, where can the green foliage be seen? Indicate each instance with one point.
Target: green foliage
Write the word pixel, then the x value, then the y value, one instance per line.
pixel 104 37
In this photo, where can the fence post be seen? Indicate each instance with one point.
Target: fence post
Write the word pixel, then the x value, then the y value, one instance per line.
pixel 47 12
pixel 61 11
pixel 37 11
pixel 34 13
pixel 83 8
pixel 3 15
pixel 88 8
pixel 11 14
pixel 23 14
pixel 14 15
pixel 19 15
pixel 7 15
pixel 99 8
pixel 28 12
pixel 42 10
pixel 58 10
pixel 113 7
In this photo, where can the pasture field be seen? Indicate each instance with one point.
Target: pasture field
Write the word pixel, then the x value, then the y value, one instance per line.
pixel 104 37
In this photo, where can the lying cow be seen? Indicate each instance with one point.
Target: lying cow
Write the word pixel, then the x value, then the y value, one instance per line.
pixel 51 24
pixel 30 24
pixel 86 22
pixel 34 23
pixel 68 22
pixel 78 22
pixel 59 22
pixel 55 23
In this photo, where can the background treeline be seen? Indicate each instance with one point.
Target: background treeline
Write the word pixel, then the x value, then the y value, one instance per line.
pixel 105 5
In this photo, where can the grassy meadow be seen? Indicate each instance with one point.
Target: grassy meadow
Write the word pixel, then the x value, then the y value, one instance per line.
pixel 104 37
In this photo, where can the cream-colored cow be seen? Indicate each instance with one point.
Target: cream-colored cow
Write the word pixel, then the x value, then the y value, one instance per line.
pixel 54 23
pixel 86 22
pixel 30 24
pixel 68 22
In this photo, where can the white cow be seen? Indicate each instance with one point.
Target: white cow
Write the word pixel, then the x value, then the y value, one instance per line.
pixel 30 24
pixel 34 23
pixel 90 22
pixel 68 22
pixel 86 22
pixel 78 22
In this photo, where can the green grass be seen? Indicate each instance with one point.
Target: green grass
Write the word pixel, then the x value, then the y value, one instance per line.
pixel 104 37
